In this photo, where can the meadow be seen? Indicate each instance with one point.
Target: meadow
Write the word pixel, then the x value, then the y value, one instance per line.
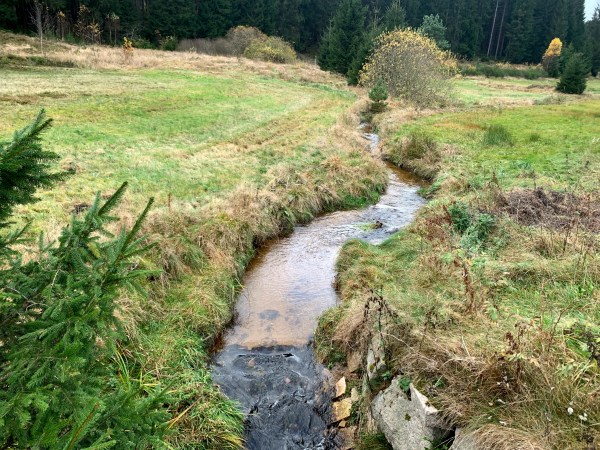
pixel 482 292
pixel 233 151
pixel 490 297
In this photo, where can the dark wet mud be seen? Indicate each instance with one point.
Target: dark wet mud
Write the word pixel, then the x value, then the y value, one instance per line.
pixel 267 360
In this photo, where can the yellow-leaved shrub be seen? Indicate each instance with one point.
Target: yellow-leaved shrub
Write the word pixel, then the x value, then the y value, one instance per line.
pixel 412 66
pixel 550 60
pixel 271 49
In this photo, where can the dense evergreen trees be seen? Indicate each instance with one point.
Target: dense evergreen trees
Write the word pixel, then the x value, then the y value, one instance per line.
pixel 344 37
pixel 592 46
pixel 517 30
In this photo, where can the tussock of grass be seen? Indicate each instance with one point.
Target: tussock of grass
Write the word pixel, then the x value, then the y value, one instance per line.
pixel 418 153
pixel 497 135
pixel 495 317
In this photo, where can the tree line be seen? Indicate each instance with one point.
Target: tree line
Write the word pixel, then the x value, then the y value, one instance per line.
pixel 518 31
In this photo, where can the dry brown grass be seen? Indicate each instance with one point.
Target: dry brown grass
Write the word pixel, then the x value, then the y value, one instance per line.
pixel 104 57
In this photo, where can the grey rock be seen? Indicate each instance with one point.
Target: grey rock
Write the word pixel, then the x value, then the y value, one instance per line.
pixel 408 424
pixel 464 440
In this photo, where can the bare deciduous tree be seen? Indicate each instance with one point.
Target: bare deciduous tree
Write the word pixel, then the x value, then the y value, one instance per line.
pixel 41 18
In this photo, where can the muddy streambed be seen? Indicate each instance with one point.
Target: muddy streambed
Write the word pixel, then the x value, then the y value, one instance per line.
pixel 267 363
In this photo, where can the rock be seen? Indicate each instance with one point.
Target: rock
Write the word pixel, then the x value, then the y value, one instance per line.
pixel 354 362
pixel 342 409
pixel 375 358
pixel 340 387
pixel 347 438
pixel 464 440
pixel 342 424
pixel 354 395
pixel 408 424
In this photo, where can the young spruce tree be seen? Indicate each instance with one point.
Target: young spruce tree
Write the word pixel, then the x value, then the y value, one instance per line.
pixel 59 387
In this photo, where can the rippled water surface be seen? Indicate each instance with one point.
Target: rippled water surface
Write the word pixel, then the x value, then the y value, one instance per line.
pixel 267 363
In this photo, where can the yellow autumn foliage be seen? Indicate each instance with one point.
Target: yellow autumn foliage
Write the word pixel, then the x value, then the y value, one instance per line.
pixel 551 57
pixel 554 49
pixel 412 66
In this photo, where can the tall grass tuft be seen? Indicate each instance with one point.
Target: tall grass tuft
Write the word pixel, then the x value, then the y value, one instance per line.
pixel 418 153
pixel 496 135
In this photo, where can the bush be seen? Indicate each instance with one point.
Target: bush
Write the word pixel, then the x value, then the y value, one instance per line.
pixel 219 46
pixel 142 43
pixel 412 67
pixel 497 135
pixel 271 49
pixel 378 94
pixel 168 43
pixel 417 153
pixel 574 77
pixel 473 227
pixel 241 37
pixel 501 71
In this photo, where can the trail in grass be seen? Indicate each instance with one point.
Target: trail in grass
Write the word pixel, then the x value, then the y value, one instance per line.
pixel 267 361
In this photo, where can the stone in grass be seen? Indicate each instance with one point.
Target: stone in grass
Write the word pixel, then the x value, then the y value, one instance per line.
pixel 342 410
pixel 347 438
pixel 463 440
pixel 408 424
pixel 340 387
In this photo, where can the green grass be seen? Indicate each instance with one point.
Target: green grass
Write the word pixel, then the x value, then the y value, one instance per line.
pixel 475 91
pixel 178 133
pixel 233 159
pixel 496 320
pixel 557 143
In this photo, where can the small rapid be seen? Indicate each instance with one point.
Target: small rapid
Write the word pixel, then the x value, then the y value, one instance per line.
pixel 267 362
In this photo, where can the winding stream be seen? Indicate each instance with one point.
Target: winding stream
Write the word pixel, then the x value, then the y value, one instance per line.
pixel 267 361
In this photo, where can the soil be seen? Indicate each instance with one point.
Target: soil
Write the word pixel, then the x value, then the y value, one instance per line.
pixel 553 209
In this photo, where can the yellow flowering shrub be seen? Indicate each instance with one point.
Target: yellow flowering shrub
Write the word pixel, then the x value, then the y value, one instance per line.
pixel 412 66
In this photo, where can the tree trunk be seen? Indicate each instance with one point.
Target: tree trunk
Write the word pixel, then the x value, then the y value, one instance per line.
pixel 37 20
pixel 493 28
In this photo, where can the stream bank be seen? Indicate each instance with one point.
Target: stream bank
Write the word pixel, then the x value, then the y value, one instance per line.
pixel 267 362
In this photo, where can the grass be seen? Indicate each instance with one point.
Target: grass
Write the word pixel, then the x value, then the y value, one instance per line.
pixel 493 313
pixel 498 93
pixel 235 153
pixel 182 136
pixel 558 147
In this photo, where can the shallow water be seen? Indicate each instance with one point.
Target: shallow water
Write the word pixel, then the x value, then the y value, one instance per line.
pixel 267 362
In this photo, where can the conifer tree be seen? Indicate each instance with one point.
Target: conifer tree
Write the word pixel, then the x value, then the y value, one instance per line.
pixel 592 45
pixel 343 38
pixel 362 53
pixel 395 17
pixel 573 79
pixel 520 35
pixel 433 27
pixel 59 333
pixel 25 167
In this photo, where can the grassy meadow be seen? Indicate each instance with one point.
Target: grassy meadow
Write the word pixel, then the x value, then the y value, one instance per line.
pixel 493 305
pixel 172 134
pixel 235 153
pixel 491 296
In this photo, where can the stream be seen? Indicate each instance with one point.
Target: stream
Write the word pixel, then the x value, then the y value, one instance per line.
pixel 267 362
